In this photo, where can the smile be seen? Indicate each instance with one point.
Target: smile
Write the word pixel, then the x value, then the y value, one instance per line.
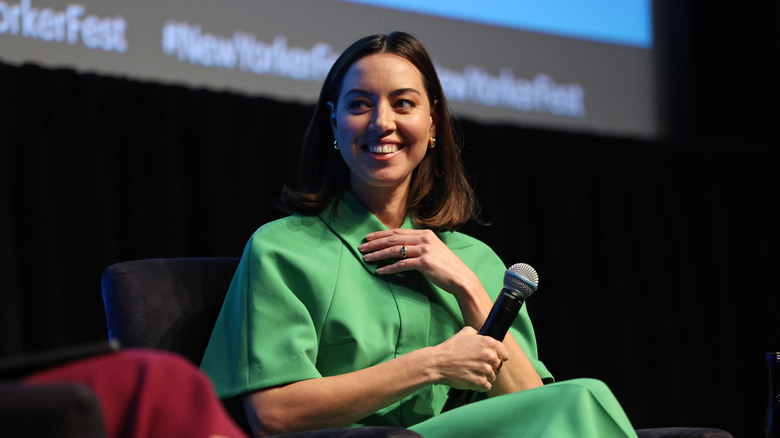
pixel 382 148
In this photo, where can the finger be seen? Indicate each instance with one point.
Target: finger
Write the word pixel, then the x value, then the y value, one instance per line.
pixel 396 231
pixel 402 265
pixel 379 235
pixel 386 242
pixel 502 351
pixel 490 374
pixel 489 379
pixel 478 383
pixel 383 239
pixel 398 252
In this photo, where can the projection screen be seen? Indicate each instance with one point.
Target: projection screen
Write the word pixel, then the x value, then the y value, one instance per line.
pixel 554 64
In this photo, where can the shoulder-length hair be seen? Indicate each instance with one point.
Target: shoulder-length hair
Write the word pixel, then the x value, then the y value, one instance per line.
pixel 440 197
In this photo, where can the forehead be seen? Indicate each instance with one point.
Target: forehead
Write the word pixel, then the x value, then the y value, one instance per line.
pixel 382 72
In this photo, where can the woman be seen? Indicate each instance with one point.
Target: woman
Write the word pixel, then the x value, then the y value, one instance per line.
pixel 362 307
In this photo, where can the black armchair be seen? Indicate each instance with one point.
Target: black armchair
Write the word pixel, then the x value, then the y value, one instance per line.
pixel 172 304
pixel 166 304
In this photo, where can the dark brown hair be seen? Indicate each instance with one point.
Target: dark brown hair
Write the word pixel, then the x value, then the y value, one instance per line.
pixel 440 197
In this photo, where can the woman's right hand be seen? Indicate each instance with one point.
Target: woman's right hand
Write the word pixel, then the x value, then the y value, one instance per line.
pixel 469 360
pixel 466 360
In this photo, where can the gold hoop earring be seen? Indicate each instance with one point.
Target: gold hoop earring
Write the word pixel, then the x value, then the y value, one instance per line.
pixel 336 144
pixel 431 142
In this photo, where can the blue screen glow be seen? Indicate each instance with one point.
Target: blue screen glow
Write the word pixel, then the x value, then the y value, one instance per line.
pixel 624 22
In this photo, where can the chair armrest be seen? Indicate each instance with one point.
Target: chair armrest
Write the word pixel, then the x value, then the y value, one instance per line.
pixel 357 432
pixel 683 432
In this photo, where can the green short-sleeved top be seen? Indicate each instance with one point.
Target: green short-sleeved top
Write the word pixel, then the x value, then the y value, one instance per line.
pixel 304 305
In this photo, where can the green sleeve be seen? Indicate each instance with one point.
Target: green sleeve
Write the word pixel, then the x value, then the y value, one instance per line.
pixel 273 288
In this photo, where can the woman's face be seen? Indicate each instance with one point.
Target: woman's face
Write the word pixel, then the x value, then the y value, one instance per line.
pixel 382 122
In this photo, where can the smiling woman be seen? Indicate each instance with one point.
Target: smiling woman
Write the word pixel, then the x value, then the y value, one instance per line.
pixel 439 195
pixel 383 122
pixel 362 308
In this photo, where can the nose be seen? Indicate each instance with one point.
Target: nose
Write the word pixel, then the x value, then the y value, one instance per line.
pixel 383 120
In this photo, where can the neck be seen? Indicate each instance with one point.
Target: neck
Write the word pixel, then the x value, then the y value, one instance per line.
pixel 389 206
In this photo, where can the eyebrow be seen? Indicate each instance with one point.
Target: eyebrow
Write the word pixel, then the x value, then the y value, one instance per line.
pixel 393 93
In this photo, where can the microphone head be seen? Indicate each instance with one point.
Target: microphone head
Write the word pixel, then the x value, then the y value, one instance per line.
pixel 521 278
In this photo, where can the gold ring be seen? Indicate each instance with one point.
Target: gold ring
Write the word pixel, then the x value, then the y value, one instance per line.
pixel 498 370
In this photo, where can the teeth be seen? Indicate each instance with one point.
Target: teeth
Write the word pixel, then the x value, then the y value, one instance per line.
pixel 383 148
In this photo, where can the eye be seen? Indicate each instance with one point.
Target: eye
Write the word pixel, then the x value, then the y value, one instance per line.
pixel 404 104
pixel 358 105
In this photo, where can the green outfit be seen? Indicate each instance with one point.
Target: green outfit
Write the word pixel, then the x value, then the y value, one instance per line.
pixel 304 305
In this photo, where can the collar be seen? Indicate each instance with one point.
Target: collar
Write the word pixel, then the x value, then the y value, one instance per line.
pixel 351 221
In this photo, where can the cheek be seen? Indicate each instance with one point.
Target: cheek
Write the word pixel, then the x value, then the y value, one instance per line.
pixel 350 126
pixel 423 127
pixel 346 156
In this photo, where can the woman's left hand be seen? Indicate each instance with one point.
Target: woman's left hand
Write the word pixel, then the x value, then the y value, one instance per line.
pixel 419 250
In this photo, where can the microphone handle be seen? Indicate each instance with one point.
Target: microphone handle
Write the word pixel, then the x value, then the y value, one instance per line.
pixel 501 316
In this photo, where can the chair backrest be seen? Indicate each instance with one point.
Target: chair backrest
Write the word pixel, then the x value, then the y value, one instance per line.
pixel 168 304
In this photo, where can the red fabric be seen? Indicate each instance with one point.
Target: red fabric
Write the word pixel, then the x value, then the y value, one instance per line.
pixel 149 394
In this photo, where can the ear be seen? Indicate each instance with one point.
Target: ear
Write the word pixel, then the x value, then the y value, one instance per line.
pixel 333 123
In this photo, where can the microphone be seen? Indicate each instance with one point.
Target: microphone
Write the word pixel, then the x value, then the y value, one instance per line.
pixel 520 282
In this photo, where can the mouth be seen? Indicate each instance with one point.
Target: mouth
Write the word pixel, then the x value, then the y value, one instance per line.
pixel 382 148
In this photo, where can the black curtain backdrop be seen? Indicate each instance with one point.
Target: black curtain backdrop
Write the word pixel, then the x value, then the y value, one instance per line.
pixel 657 259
